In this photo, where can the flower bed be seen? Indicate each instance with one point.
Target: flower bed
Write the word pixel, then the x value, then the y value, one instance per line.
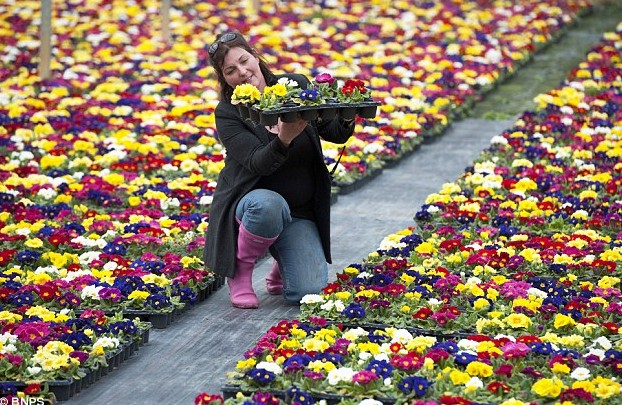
pixel 62 353
pixel 394 366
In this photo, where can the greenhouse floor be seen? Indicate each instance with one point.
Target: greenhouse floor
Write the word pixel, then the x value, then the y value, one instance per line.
pixel 194 353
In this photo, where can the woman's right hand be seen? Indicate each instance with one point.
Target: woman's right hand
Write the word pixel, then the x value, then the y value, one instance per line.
pixel 288 131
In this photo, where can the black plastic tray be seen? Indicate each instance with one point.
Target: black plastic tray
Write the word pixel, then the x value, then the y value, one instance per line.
pixel 364 109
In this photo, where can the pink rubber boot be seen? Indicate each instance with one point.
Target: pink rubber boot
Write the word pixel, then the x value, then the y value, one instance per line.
pixel 274 281
pixel 250 247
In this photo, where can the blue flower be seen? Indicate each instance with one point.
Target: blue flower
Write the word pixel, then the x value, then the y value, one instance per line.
pixel 418 385
pixel 261 376
pixel 158 301
pixel 331 357
pixel 298 396
pixel 464 358
pixel 354 310
pixel 28 256
pixel 296 362
pixel 76 339
pixel 381 368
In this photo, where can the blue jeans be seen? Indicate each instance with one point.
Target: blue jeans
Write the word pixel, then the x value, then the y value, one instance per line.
pixel 298 248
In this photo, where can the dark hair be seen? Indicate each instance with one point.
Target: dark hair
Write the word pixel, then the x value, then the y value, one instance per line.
pixel 217 58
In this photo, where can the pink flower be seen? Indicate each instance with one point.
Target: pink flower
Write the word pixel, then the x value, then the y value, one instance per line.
pixel 364 377
pixel 511 350
pixel 324 78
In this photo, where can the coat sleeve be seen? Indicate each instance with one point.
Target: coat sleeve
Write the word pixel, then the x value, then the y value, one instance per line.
pixel 245 146
pixel 335 130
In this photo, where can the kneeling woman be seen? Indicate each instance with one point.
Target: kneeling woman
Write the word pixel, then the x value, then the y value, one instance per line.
pixel 274 190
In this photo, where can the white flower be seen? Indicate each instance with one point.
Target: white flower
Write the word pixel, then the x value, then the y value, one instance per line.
pixel 327 306
pixel 432 209
pixel 596 352
pixel 110 266
pixel 337 375
pixel 34 370
pixel 106 342
pixel 206 200
pixel 47 193
pixel 434 301
pixel 467 344
pixel 7 338
pixel 91 291
pixel 537 292
pixel 353 334
pixel 270 366
pixel 474 382
pixel 382 356
pixel 288 82
pixel 370 401
pixel 402 336
pixel 580 373
pixel 603 342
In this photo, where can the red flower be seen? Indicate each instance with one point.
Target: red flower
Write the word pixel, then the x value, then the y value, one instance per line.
pixel 32 389
pixel 423 313
pixel 613 327
pixel 497 387
pixel 504 369
pixel 205 398
pixel 331 288
pixel 447 400
pixel 6 256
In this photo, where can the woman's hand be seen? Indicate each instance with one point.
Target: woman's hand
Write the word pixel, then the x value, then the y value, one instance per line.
pixel 288 131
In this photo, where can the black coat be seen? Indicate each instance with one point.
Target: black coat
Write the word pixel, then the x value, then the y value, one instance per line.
pixel 251 154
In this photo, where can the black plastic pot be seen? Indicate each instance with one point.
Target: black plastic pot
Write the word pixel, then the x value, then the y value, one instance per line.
pixel 244 111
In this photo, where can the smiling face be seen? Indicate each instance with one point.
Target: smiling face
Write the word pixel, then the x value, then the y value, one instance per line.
pixel 239 67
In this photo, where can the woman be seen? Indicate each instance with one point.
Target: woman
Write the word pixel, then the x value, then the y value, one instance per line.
pixel 274 190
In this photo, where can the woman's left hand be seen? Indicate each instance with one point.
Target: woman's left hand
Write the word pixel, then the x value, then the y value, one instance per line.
pixel 288 131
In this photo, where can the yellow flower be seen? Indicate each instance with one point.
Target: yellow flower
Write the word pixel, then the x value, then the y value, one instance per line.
pixel 34 243
pixel 560 368
pixel 10 317
pixel 562 321
pixel 606 388
pixel 246 364
pixel 517 321
pixel 480 303
pixel 138 295
pixel 115 179
pixel 548 387
pixel 343 295
pixel 315 345
pixel 513 401
pixel 479 369
pixel 245 93
pixel 458 377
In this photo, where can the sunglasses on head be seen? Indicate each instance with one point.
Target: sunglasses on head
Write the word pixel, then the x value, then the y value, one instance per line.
pixel 229 36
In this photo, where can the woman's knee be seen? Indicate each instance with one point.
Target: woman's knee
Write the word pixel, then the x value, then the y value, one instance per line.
pixel 264 209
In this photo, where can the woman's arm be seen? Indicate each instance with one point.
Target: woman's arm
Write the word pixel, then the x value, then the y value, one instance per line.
pixel 336 130
pixel 246 147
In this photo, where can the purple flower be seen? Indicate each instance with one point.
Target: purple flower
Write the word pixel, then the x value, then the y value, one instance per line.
pixel 112 294
pixel 364 377
pixel 324 78
pixel 313 375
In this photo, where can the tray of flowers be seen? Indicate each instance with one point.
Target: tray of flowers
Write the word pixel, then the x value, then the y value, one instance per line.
pixel 323 99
